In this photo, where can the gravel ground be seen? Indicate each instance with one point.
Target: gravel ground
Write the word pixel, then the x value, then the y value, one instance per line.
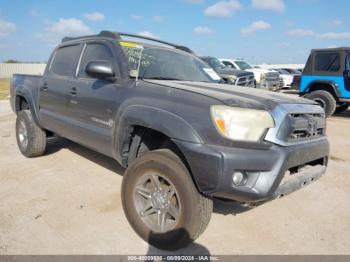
pixel 68 202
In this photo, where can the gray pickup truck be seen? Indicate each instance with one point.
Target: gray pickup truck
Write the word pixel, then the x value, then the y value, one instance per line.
pixel 230 75
pixel 183 138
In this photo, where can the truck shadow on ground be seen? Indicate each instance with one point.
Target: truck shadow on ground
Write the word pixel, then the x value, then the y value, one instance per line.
pixel 193 249
pixel 56 144
pixel 345 114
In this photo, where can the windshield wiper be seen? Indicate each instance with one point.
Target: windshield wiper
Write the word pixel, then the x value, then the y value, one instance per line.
pixel 164 78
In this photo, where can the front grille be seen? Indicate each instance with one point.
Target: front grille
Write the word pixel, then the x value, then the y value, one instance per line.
pixel 305 127
pixel 272 76
pixel 245 81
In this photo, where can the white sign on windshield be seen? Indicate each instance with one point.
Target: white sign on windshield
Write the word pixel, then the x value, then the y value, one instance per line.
pixel 210 72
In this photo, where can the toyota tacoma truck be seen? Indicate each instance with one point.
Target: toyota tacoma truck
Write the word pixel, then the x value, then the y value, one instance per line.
pixel 230 75
pixel 184 138
pixel 264 78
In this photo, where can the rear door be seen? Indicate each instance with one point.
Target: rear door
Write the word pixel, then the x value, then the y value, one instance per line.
pixel 54 85
pixel 92 102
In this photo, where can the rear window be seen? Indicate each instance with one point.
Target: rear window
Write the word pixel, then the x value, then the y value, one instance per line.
pixel 327 62
pixel 66 60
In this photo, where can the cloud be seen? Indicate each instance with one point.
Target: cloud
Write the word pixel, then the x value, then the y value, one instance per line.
pixel 223 8
pixel 300 32
pixel 95 16
pixel 283 45
pixel 34 12
pixel 202 30
pixel 6 28
pixel 54 32
pixel 334 35
pixel 273 5
pixel 148 34
pixel 255 26
pixel 335 23
pixel 157 18
pixel 136 17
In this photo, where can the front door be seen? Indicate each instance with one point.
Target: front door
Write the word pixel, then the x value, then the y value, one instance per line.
pixel 92 103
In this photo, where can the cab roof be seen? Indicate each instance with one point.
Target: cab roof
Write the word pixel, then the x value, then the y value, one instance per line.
pixel 118 36
pixel 336 49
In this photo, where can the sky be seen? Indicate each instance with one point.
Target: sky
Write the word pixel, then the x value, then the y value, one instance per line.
pixel 260 31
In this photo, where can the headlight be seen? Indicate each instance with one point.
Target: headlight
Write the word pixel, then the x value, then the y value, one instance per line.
pixel 241 124
pixel 262 77
pixel 232 79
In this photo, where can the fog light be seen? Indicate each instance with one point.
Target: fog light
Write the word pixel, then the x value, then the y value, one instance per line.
pixel 238 178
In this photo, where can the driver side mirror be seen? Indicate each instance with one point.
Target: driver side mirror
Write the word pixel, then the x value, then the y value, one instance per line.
pixel 99 69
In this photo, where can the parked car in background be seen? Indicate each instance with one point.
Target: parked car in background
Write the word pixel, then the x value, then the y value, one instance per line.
pixel 230 75
pixel 286 77
pixel 326 79
pixel 183 138
pixel 264 78
pixel 292 71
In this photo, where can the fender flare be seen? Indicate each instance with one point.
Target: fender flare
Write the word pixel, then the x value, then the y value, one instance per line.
pixel 23 92
pixel 334 86
pixel 157 119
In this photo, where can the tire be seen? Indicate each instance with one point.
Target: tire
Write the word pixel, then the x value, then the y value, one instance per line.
pixel 341 108
pixel 31 139
pixel 193 209
pixel 325 99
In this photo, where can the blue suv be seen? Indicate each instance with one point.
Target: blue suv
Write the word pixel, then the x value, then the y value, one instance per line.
pixel 326 79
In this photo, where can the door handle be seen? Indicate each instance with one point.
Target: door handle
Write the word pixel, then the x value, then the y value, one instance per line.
pixel 73 91
pixel 44 87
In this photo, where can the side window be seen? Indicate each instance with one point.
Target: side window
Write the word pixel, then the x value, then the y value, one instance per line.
pixel 327 62
pixel 348 62
pixel 94 52
pixel 66 60
pixel 226 63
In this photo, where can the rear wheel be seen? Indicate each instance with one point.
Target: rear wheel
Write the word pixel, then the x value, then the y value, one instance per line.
pixel 161 201
pixel 31 139
pixel 325 99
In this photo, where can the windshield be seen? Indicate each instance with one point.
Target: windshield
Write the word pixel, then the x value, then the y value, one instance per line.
pixel 283 72
pixel 214 63
pixel 165 64
pixel 243 65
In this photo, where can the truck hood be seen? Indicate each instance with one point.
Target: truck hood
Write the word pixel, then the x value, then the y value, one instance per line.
pixel 259 70
pixel 234 72
pixel 234 95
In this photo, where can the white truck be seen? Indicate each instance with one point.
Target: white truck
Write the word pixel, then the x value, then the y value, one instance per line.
pixel 264 78
pixel 286 76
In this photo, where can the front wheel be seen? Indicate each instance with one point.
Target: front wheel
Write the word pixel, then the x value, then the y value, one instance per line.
pixel 325 99
pixel 161 201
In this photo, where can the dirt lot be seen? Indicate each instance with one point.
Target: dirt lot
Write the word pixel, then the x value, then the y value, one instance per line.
pixel 68 202
pixel 4 88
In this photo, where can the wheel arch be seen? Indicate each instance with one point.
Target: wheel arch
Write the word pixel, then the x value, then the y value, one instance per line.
pixel 153 140
pixel 23 102
pixel 325 85
pixel 162 121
